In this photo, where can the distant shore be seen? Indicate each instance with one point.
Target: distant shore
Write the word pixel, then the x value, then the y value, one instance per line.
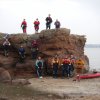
pixel 92 45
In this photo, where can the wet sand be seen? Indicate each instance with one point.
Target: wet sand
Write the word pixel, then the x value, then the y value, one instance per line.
pixel 67 89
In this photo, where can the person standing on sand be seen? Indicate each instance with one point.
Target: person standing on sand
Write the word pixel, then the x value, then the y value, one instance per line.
pixel 79 68
pixel 39 67
pixel 36 25
pixel 72 64
pixel 48 22
pixel 66 67
pixel 55 66
pixel 24 25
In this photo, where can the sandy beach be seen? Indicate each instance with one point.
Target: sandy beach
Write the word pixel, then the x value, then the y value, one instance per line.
pixel 67 89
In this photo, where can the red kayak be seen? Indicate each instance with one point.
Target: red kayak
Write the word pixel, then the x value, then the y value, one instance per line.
pixel 87 76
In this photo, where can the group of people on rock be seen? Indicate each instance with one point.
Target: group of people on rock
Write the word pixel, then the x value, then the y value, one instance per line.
pixel 37 23
pixel 68 64
pixel 21 49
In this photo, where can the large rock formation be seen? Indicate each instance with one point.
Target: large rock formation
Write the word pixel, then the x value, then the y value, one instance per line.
pixel 51 42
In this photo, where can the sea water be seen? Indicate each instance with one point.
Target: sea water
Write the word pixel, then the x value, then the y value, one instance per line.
pixel 94 57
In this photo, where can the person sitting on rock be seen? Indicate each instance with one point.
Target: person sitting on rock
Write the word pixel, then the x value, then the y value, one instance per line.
pixel 6 45
pixel 55 65
pixel 39 67
pixel 48 21
pixel 34 49
pixel 36 25
pixel 21 51
pixel 57 24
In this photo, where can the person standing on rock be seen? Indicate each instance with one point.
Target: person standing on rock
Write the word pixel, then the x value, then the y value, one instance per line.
pixel 57 24
pixel 6 46
pixel 36 25
pixel 24 25
pixel 48 22
pixel 21 51
pixel 34 49
pixel 39 66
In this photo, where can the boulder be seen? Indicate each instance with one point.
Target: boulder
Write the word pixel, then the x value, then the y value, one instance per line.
pixel 20 82
pixel 51 42
pixel 5 75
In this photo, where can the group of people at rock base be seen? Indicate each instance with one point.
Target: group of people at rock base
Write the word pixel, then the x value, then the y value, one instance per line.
pixel 37 23
pixel 69 65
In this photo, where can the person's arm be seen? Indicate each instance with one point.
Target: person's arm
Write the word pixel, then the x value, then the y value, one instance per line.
pixel 46 19
pixel 19 51
pixel 83 63
pixel 36 63
pixel 24 51
pixel 38 23
pixel 4 43
pixel 51 20
pixel 42 63
pixel 21 24
pixel 9 43
pixel 59 24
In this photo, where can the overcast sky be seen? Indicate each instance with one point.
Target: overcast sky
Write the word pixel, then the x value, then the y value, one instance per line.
pixel 81 16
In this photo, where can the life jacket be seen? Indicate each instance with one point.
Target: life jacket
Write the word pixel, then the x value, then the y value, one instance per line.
pixel 80 63
pixel 36 23
pixel 24 24
pixel 66 61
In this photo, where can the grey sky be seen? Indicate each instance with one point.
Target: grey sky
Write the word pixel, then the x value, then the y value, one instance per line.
pixel 81 16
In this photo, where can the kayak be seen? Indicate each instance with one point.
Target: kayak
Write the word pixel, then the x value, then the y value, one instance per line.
pixel 87 76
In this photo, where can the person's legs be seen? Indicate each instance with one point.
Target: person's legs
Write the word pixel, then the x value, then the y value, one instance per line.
pixel 24 29
pixel 33 55
pixel 36 29
pixel 46 26
pixel 63 71
pixel 6 47
pixel 22 57
pixel 40 72
pixel 49 26
pixel 55 71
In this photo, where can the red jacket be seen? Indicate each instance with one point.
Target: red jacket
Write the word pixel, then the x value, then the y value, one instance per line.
pixel 66 61
pixel 34 44
pixel 36 23
pixel 24 23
